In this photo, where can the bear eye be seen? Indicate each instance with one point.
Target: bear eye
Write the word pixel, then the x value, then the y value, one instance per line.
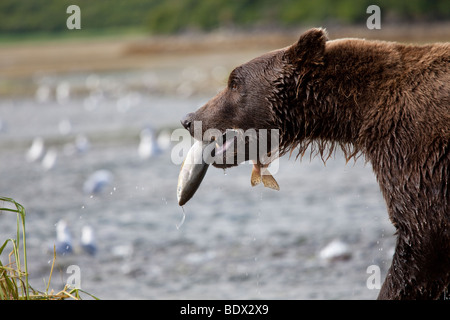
pixel 233 85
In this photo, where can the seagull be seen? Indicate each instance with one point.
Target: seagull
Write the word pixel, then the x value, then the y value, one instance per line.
pixel 164 139
pixel 148 145
pixel 124 251
pixel 63 243
pixel 97 181
pixel 82 143
pixel 43 93
pixel 36 150
pixel 335 250
pixel 65 127
pixel 62 92
pixel 49 160
pixel 88 240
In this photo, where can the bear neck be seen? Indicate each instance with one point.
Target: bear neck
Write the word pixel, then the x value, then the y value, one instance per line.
pixel 317 114
pixel 358 100
pixel 388 102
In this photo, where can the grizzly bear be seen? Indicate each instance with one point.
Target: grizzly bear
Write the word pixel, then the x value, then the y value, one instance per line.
pixel 385 101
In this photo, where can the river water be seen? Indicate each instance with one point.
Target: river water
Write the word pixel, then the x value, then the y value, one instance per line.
pixel 236 242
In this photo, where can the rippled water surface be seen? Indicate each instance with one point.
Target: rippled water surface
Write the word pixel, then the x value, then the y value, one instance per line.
pixel 237 242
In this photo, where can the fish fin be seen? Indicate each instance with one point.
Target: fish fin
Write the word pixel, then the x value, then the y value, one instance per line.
pixel 256 176
pixel 269 181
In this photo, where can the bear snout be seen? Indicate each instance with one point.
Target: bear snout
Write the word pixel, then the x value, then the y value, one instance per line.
pixel 187 120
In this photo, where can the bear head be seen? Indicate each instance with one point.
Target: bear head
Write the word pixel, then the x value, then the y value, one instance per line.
pixel 261 94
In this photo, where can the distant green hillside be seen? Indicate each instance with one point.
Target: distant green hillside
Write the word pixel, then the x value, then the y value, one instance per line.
pixel 169 16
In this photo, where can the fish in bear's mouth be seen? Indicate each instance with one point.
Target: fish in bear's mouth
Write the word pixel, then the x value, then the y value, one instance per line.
pixel 227 151
pixel 235 146
pixel 223 150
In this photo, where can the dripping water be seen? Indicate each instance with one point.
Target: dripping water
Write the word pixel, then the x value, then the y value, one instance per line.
pixel 182 219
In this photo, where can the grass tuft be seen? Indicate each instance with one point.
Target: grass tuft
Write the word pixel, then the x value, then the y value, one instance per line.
pixel 14 283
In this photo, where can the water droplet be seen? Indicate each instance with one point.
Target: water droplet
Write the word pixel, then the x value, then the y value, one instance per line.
pixel 182 220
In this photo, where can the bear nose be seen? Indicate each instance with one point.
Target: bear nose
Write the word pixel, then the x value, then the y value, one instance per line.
pixel 187 120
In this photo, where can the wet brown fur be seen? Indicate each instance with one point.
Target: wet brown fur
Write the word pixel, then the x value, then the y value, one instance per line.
pixel 387 101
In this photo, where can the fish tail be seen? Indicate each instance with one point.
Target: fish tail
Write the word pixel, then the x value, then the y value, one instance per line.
pixel 256 176
pixel 269 181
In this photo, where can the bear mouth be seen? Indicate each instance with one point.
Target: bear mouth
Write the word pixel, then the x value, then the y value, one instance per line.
pixel 234 147
pixel 226 151
pixel 231 147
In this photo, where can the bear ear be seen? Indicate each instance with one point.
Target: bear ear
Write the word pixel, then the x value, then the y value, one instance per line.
pixel 309 49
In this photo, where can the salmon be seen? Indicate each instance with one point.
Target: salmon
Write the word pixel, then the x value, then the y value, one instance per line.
pixel 194 168
pixel 261 173
pixel 192 172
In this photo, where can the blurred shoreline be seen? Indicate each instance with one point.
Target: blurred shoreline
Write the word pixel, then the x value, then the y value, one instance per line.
pixel 24 63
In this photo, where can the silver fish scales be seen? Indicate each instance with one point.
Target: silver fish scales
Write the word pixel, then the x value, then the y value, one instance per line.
pixel 192 172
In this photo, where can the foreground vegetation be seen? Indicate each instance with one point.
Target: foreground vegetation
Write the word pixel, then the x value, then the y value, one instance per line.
pixel 14 283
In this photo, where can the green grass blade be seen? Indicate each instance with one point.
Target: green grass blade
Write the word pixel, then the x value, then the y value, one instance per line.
pixel 12 277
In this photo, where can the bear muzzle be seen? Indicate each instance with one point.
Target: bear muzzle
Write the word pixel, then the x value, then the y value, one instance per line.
pixel 187 121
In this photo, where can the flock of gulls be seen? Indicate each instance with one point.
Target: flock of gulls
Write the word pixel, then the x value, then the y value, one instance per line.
pixel 64 244
pixel 149 144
